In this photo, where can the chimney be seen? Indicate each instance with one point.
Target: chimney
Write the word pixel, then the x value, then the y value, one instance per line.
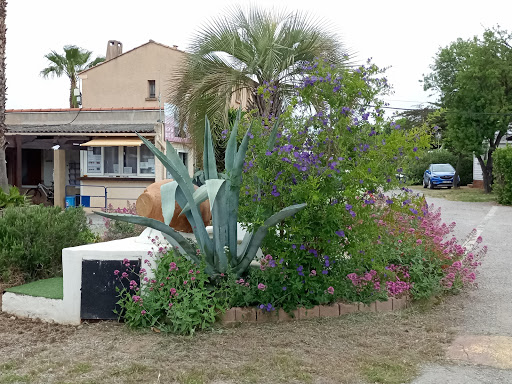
pixel 114 49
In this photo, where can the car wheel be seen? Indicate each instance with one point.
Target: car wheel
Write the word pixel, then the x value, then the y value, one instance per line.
pixel 430 185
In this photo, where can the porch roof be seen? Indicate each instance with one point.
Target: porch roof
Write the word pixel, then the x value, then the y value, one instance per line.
pixel 80 128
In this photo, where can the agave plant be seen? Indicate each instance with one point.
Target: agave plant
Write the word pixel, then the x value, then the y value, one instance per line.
pixel 222 252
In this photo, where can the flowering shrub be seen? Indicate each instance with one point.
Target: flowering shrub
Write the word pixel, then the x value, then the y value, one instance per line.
pixel 173 296
pixel 398 246
pixel 116 229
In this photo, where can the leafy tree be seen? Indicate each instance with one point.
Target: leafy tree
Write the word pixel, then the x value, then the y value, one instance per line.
pixel 3 128
pixel 474 80
pixel 243 51
pixel 71 63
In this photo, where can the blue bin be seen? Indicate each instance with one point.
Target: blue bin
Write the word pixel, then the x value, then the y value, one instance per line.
pixel 85 201
pixel 70 201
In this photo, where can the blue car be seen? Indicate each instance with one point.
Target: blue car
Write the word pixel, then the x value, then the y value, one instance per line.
pixel 439 175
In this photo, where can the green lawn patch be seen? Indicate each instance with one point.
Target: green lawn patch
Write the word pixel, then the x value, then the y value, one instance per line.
pixel 49 288
pixel 459 194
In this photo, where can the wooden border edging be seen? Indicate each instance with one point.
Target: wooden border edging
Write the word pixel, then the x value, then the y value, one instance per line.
pixel 256 315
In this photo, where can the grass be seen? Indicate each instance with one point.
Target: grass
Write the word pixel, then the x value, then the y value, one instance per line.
pixel 387 348
pixel 460 194
pixel 49 288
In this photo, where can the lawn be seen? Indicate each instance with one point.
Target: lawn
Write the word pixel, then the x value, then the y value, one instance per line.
pixel 49 288
pixel 357 348
pixel 460 194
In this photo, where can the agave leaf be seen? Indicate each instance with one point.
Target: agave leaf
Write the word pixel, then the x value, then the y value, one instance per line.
pixel 213 187
pixel 168 193
pixel 209 163
pixel 152 223
pixel 200 195
pixel 240 157
pixel 229 157
pixel 261 232
pixel 220 227
pixel 273 135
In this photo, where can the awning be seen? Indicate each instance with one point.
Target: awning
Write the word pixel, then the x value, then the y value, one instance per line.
pixel 114 142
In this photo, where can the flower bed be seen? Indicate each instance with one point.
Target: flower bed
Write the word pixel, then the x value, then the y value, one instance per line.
pixel 260 315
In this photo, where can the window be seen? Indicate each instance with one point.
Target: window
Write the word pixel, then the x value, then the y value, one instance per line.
pixel 152 89
pixel 147 161
pixel 111 160
pixel 120 161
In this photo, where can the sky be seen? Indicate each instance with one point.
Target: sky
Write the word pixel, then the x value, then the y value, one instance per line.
pixel 401 35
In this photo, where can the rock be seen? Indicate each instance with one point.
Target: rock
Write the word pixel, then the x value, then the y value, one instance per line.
pixel 12 318
pixel 149 204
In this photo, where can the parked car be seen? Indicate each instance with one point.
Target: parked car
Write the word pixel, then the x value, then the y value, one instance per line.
pixel 439 175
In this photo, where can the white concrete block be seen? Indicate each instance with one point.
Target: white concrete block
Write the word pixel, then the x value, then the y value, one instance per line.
pixel 50 310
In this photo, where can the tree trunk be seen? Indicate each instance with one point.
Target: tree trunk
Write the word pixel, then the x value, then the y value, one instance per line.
pixel 71 93
pixel 486 171
pixel 3 88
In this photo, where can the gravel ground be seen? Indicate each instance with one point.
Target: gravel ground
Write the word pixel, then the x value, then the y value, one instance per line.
pixel 487 310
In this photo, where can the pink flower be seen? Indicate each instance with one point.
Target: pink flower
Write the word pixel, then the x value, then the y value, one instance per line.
pixel 192 278
pixel 135 298
pixel 116 272
pixel 330 290
pixel 170 305
pixel 262 286
pixel 125 275
pixel 172 266
pixel 313 273
pixel 419 241
pixel 185 282
pixel 143 312
pixel 191 272
pixel 173 291
pixel 222 275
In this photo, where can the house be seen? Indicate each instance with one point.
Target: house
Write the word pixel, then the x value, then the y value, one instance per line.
pixel 92 154
pixel 93 151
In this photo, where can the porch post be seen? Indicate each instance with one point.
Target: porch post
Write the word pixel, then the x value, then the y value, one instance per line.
pixel 59 177
pixel 18 170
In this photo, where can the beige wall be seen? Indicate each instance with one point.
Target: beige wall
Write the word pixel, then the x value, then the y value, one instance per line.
pixel 116 196
pixel 123 81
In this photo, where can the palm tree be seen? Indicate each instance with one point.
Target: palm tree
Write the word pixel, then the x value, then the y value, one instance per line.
pixel 73 61
pixel 241 52
pixel 3 129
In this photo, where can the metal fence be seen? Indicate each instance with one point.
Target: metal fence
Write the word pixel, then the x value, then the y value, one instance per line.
pixel 103 197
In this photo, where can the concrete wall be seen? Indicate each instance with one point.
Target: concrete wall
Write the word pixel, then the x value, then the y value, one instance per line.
pixel 123 81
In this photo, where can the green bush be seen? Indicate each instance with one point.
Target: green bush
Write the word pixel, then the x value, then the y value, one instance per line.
pixel 415 170
pixel 174 294
pixel 502 172
pixel 12 199
pixel 32 239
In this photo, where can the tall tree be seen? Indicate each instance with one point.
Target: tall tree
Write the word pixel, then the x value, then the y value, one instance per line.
pixel 474 80
pixel 240 52
pixel 71 63
pixel 3 88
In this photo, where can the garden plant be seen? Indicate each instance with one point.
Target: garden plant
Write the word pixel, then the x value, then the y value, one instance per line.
pixel 332 158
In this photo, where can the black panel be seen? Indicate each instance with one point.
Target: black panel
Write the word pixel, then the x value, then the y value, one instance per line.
pixel 99 284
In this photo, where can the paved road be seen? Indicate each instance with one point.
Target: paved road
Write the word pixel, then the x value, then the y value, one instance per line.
pixel 482 352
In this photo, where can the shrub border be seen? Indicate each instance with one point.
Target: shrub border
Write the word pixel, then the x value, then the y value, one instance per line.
pixel 256 315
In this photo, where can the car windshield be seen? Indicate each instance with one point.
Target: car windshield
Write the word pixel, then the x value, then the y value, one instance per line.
pixel 442 168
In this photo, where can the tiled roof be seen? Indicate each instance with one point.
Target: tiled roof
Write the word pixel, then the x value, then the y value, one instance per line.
pixel 84 109
pixel 82 128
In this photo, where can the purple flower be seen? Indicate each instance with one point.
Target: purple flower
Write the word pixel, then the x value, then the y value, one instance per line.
pixel 389 201
pixel 325 272
pixel 340 233
pixel 348 207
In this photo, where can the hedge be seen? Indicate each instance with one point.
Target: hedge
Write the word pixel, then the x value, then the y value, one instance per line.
pixel 502 172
